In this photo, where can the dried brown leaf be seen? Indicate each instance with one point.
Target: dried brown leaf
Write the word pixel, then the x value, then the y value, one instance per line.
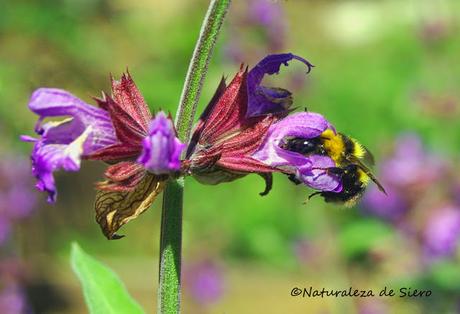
pixel 114 209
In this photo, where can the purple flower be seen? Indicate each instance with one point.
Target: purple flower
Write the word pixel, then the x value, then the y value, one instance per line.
pixel 411 164
pixel 256 26
pixel 434 31
pixel 235 123
pixel 442 233
pixel 304 125
pixel 262 99
pixel 455 192
pixel 390 207
pixel 5 228
pixel 372 307
pixel 12 300
pixel 265 12
pixel 113 133
pixel 305 250
pixel 63 144
pixel 409 171
pixel 17 200
pixel 161 148
pixel 204 282
pixel 270 16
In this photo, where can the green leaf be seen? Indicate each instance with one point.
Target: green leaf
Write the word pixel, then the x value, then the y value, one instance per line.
pixel 104 292
pixel 446 275
pixel 359 236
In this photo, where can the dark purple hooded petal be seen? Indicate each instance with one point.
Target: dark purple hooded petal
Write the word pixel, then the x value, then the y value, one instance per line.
pixel 161 148
pixel 263 100
pixel 305 125
pixel 63 144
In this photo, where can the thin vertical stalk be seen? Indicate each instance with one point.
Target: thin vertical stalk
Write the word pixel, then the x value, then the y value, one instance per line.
pixel 170 248
pixel 199 66
pixel 171 219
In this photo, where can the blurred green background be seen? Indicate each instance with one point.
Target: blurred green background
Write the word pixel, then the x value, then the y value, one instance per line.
pixel 384 71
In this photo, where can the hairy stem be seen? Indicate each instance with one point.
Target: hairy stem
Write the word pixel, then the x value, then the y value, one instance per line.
pixel 170 248
pixel 198 67
pixel 171 219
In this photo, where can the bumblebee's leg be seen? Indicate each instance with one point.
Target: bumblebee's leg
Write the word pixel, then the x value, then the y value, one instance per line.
pixel 314 194
pixel 311 195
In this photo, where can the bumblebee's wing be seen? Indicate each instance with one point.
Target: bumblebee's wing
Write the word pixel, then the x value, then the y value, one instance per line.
pixel 368 158
pixel 368 172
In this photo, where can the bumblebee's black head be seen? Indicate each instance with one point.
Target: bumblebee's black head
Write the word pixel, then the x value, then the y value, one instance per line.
pixel 304 146
pixel 354 182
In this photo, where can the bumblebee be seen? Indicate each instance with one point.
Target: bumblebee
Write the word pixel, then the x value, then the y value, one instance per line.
pixel 350 158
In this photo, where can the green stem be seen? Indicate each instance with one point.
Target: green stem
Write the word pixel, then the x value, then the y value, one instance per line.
pixel 170 248
pixel 199 66
pixel 171 219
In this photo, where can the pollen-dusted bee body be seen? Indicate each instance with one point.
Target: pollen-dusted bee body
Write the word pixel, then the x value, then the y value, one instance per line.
pixel 354 183
pixel 349 156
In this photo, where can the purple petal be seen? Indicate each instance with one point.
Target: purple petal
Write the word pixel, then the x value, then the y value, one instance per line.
pixel 302 124
pixel 51 102
pixel 318 179
pixel 27 138
pixel 47 158
pixel 161 148
pixel 62 144
pixel 305 125
pixel 263 100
